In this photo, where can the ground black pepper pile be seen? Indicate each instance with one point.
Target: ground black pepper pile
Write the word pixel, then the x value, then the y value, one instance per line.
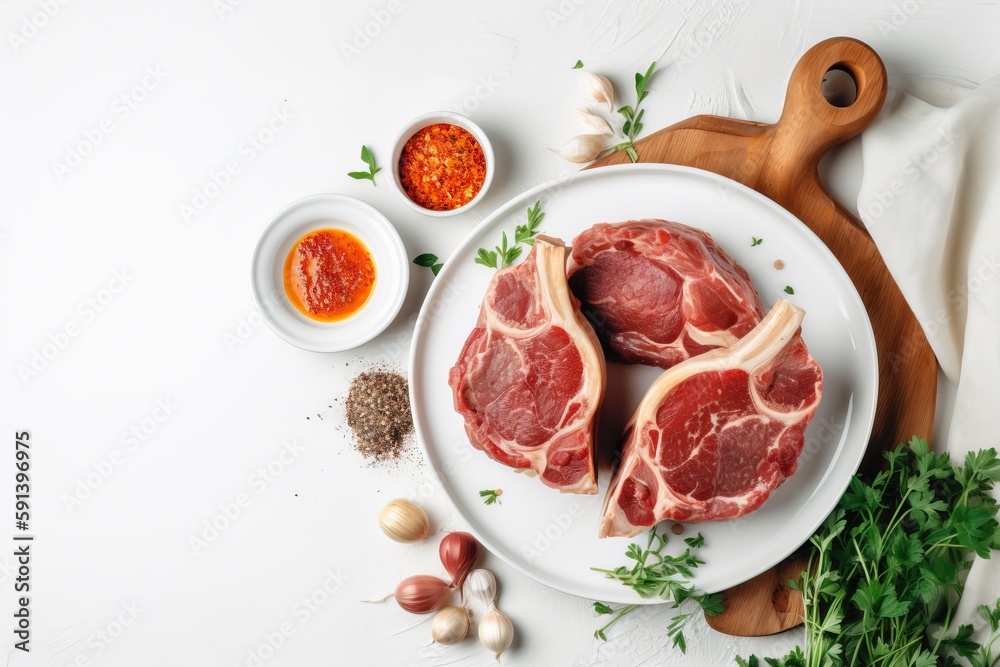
pixel 378 412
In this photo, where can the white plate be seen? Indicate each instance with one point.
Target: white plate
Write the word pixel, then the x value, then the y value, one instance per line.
pixel 392 274
pixel 552 537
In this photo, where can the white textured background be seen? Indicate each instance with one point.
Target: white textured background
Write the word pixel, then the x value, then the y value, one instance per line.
pixel 228 69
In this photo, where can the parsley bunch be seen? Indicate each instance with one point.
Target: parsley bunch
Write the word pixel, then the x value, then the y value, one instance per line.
pixel 658 575
pixel 889 563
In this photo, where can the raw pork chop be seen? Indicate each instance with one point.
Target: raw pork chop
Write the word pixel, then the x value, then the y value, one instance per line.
pixel 659 292
pixel 715 435
pixel 530 378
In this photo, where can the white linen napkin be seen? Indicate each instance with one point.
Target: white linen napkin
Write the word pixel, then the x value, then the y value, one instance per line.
pixel 930 197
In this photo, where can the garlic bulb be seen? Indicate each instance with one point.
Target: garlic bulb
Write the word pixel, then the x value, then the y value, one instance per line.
pixel 599 89
pixel 496 632
pixel 593 121
pixel 404 521
pixel 450 625
pixel 582 148
pixel 483 585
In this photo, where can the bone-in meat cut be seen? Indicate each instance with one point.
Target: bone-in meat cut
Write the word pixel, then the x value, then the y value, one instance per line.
pixel 716 434
pixel 530 378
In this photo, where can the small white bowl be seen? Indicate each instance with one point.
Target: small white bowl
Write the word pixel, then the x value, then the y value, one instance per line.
pixel 450 118
pixel 392 272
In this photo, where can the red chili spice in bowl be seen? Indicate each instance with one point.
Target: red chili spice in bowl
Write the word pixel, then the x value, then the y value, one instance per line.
pixel 442 167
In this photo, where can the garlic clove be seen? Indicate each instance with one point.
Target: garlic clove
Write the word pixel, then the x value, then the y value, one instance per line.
pixel 593 121
pixel 404 521
pixel 458 553
pixel 483 585
pixel 419 594
pixel 450 625
pixel 581 149
pixel 496 632
pixel 599 89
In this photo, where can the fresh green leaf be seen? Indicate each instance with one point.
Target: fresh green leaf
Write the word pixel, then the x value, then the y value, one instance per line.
pixel 368 159
pixel 487 258
pixel 676 631
pixel 755 241
pixel 426 259
pixel 430 261
pixel 578 65
pixel 506 252
pixel 789 290
pixel 632 125
pixel 961 642
pixel 793 659
pixel 992 616
pixel 713 604
pixel 618 615
pixel 696 542
pixel 602 608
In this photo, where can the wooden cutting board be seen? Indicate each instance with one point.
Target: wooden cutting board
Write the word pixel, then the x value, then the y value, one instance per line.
pixel 781 161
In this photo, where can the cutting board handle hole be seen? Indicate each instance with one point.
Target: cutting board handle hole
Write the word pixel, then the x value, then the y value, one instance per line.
pixel 839 87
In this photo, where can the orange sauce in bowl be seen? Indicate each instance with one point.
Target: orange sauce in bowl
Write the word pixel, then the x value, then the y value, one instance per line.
pixel 329 275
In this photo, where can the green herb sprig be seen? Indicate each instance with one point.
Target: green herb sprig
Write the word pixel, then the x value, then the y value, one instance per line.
pixel 633 115
pixel 655 574
pixel 578 65
pixel 754 241
pixel 890 562
pixel 793 659
pixel 429 260
pixel 491 496
pixel 369 159
pixel 504 254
